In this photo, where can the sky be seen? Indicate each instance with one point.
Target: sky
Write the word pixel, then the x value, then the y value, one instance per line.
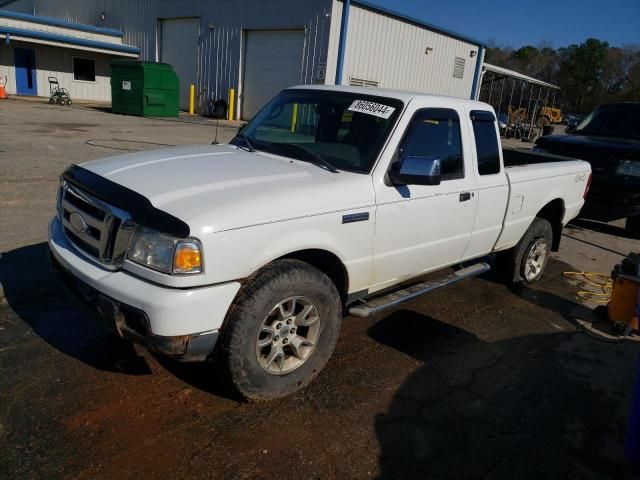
pixel 518 23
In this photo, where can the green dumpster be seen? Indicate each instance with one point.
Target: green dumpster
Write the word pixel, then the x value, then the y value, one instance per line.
pixel 145 89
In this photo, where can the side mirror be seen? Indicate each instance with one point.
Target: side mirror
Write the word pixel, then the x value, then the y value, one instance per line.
pixel 570 129
pixel 414 170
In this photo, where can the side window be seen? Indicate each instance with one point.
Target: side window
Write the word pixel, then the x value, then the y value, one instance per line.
pixel 435 132
pixel 84 69
pixel 487 148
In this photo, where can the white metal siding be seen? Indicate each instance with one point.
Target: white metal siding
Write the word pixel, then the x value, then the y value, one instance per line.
pixel 273 62
pixel 334 42
pixel 180 38
pixel 380 48
pixel 221 26
pixel 390 51
pixel 58 62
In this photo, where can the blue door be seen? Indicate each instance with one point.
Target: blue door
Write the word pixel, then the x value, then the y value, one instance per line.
pixel 26 83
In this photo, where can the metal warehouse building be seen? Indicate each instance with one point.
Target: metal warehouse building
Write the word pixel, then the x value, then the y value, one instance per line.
pixel 258 47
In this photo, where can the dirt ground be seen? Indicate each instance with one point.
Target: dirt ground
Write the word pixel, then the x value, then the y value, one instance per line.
pixel 475 381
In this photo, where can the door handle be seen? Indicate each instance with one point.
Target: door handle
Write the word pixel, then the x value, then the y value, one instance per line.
pixel 465 196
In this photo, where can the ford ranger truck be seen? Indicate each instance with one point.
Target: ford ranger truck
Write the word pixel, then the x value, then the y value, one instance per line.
pixel 331 200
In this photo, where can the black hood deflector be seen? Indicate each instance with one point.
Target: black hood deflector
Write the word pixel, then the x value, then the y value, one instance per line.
pixel 138 206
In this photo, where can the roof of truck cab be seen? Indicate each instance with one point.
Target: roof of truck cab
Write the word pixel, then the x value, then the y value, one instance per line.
pixel 402 95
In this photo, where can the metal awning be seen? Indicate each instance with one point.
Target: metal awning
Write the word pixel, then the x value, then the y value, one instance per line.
pixel 505 72
pixel 30 36
pixel 15 26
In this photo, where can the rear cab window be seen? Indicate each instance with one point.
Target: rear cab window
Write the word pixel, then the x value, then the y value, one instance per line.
pixel 486 140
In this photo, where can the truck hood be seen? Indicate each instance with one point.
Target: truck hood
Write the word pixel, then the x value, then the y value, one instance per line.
pixel 222 187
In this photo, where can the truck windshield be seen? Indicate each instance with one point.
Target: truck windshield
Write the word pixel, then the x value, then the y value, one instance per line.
pixel 335 130
pixel 613 120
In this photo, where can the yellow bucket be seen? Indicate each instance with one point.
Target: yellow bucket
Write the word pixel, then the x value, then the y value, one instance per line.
pixel 623 306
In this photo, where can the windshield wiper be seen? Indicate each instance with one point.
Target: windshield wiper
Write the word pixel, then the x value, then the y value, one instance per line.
pixel 313 157
pixel 246 141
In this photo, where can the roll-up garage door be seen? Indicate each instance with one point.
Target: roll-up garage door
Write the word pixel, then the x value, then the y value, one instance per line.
pixel 272 62
pixel 180 37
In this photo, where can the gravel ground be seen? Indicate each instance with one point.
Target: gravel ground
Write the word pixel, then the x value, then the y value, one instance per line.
pixel 475 381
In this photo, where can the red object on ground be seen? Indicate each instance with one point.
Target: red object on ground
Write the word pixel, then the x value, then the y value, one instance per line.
pixel 3 91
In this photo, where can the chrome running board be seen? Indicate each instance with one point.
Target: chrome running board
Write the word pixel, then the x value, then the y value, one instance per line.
pixel 392 299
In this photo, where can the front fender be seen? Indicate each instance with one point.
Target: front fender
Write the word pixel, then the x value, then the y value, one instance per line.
pixel 237 254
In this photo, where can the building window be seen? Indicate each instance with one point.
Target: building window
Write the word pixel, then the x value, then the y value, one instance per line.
pixel 458 67
pixel 360 82
pixel 84 69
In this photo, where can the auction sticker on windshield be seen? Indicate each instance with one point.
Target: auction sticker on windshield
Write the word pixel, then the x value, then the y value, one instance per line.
pixel 371 108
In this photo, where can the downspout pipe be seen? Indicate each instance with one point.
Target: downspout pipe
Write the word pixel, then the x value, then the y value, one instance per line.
pixel 343 40
pixel 477 76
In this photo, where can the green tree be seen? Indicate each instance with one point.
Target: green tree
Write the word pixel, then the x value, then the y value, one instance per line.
pixel 581 68
pixel 589 74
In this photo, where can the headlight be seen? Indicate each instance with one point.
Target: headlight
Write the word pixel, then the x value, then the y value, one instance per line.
pixel 538 149
pixel 629 168
pixel 165 253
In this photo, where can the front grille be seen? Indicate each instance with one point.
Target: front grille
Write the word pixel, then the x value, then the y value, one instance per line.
pixel 97 229
pixel 78 242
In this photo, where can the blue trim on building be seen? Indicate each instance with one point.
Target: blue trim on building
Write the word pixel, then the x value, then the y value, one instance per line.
pixel 70 40
pixel 478 73
pixel 343 40
pixel 416 21
pixel 59 23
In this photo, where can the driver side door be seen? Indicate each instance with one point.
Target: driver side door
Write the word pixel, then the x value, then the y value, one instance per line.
pixel 420 228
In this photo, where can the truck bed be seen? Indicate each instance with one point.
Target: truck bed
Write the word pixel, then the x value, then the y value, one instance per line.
pixel 514 157
pixel 535 180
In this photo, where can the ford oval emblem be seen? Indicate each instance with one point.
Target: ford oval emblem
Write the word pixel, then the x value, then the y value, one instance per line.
pixel 78 223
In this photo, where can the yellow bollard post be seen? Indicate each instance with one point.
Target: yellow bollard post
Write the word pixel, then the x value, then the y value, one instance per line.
pixel 192 99
pixel 232 94
pixel 294 118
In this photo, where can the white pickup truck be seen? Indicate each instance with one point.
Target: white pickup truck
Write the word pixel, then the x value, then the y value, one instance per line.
pixel 331 200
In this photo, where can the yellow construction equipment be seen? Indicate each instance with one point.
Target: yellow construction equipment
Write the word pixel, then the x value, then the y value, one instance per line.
pixel 548 116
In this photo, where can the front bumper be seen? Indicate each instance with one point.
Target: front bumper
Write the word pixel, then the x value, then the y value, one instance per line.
pixel 181 323
pixel 611 198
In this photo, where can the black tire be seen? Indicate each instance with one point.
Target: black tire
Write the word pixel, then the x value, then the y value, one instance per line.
pixel 543 122
pixel 281 280
pixel 513 263
pixel 632 226
pixel 220 109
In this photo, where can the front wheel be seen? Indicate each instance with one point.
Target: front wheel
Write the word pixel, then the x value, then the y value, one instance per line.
pixel 525 263
pixel 282 330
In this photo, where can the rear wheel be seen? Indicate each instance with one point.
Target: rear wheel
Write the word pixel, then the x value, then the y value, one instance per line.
pixel 526 262
pixel 282 331
pixel 633 226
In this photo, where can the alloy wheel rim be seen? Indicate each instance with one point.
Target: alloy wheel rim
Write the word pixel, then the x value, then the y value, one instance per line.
pixel 536 259
pixel 288 335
